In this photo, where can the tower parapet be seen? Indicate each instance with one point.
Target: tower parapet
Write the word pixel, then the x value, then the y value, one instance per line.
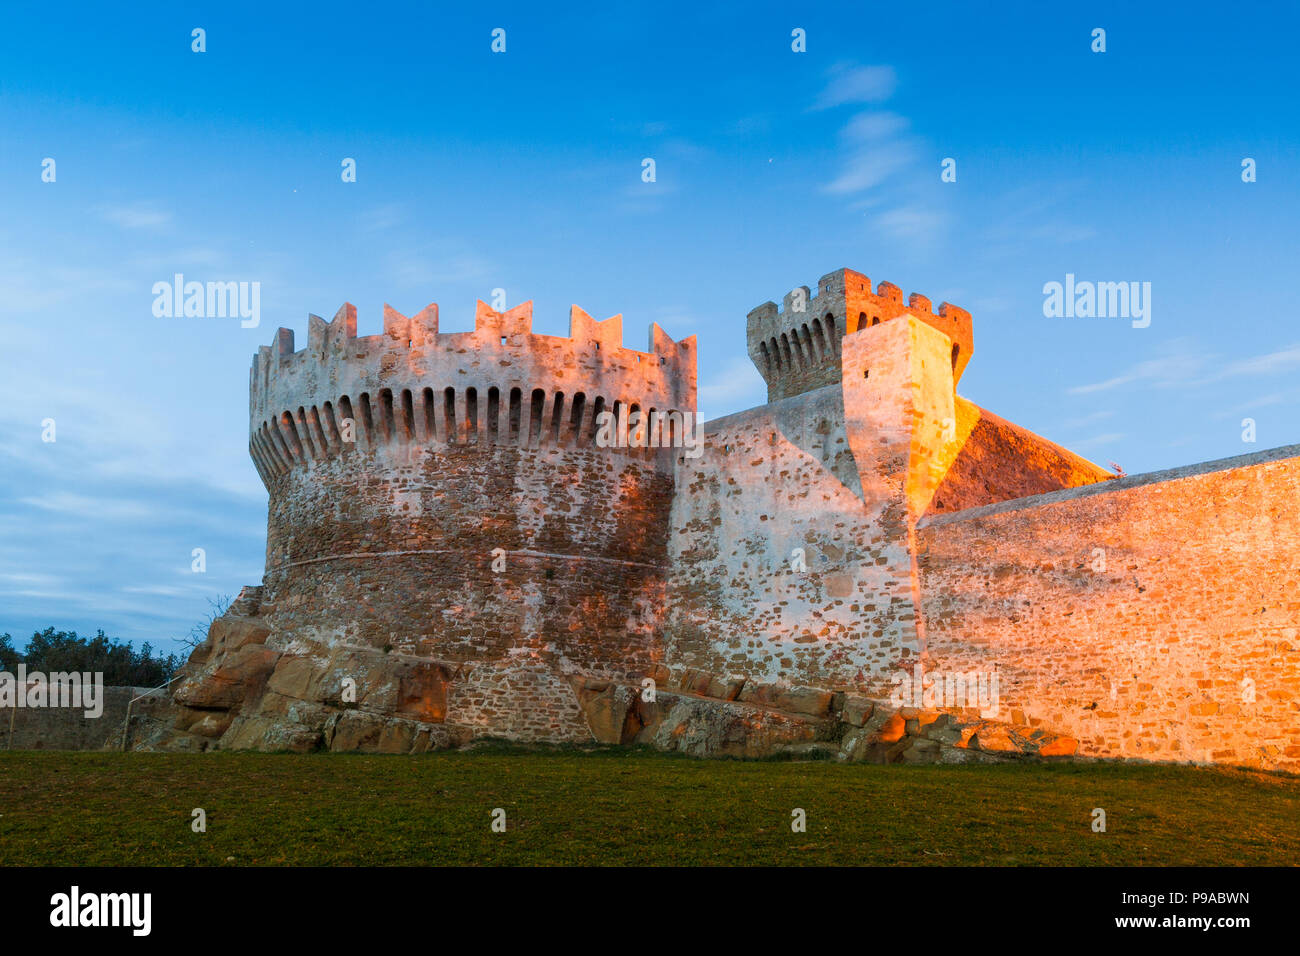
pixel 797 348
pixel 412 384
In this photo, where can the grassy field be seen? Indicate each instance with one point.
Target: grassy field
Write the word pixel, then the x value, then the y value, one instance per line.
pixel 618 807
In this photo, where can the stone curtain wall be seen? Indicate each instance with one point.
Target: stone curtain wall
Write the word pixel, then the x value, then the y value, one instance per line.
pixel 842 472
pixel 772 480
pixel 1146 658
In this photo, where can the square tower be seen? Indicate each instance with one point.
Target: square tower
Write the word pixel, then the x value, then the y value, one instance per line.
pixel 797 348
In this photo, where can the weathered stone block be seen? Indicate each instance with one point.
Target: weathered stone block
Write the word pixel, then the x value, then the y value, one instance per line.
pixel 235 678
pixel 612 715
pixel 892 730
pixel 792 699
pixel 857 710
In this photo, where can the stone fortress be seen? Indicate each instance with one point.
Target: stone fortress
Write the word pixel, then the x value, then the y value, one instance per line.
pixel 868 566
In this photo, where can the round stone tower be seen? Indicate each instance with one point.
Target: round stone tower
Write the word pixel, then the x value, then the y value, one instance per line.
pixel 443 500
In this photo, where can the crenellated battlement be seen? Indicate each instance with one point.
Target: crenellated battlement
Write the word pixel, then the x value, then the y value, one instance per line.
pixel 510 329
pixel 499 383
pixel 796 347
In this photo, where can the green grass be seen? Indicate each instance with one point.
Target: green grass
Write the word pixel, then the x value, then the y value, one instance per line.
pixel 618 807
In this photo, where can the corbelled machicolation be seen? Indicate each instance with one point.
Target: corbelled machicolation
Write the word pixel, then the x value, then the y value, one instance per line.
pixel 499 384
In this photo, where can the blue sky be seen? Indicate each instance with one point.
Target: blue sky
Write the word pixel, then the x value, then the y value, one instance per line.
pixel 522 171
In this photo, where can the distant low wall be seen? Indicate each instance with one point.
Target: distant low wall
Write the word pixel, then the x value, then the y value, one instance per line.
pixel 68 728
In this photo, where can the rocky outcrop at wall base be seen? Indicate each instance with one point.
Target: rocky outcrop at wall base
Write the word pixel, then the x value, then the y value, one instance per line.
pixel 763 720
pixel 238 693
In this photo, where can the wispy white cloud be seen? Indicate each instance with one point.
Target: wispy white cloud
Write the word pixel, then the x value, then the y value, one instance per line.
pixel 31 579
pixel 1164 372
pixel 876 150
pixel 1033 214
pixel 1263 401
pixel 857 84
pixel 734 387
pixel 881 162
pixel 164 590
pixel 382 217
pixel 1269 363
pixel 1188 368
pixel 916 223
pixel 33 285
pixel 1090 419
pixel 437 264
pixel 1107 438
pixel 64 524
pixel 86 506
pixel 140 215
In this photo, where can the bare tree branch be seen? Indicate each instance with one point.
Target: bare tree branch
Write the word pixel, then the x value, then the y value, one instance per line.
pixel 199 632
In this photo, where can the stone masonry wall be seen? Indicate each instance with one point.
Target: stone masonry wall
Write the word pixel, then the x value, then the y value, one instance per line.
pixel 381 569
pixel 68 728
pixel 842 473
pixel 397 550
pixel 771 480
pixel 1150 655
